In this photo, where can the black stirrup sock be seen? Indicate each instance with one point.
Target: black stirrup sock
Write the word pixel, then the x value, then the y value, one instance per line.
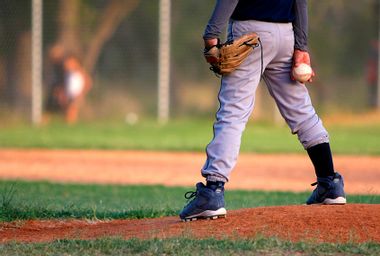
pixel 322 160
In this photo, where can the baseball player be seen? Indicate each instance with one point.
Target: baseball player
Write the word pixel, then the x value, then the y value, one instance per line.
pixel 282 26
pixel 77 84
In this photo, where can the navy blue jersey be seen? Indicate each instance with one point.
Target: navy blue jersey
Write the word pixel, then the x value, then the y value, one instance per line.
pixel 280 11
pixel 265 10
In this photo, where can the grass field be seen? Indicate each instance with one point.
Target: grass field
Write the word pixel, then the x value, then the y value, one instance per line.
pixel 36 200
pixel 186 246
pixel 22 200
pixel 43 200
pixel 182 135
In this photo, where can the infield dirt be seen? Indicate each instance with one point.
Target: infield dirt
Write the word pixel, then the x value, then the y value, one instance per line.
pixel 288 172
pixel 348 223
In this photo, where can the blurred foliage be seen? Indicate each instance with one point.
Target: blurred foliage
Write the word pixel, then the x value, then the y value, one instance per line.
pixel 341 32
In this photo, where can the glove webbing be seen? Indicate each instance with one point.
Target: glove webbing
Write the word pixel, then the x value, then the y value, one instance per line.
pixel 251 45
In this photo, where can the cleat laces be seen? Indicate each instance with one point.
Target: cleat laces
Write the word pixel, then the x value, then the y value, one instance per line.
pixel 190 195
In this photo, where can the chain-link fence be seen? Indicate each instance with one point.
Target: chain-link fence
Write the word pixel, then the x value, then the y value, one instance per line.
pixel 112 46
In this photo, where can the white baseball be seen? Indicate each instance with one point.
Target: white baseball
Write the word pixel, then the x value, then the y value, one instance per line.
pixel 302 73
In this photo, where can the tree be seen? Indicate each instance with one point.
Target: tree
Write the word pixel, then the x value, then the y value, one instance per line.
pixel 66 17
pixel 70 25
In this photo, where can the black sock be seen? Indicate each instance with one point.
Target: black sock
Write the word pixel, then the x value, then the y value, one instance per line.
pixel 321 157
pixel 214 184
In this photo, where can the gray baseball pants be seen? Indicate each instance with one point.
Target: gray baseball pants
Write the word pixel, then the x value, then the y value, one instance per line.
pixel 237 97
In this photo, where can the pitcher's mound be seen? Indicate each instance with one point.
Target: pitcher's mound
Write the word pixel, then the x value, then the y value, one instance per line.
pixel 347 223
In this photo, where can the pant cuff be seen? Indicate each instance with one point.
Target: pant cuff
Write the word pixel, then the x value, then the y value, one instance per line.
pixel 320 140
pixel 214 178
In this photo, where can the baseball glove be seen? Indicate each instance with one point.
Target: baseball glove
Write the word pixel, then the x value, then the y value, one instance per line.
pixel 225 58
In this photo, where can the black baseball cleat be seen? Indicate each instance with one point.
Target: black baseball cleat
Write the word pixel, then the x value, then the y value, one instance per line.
pixel 206 203
pixel 329 190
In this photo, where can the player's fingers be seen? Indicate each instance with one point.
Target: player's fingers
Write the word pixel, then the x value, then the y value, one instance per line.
pixel 208 43
pixel 311 78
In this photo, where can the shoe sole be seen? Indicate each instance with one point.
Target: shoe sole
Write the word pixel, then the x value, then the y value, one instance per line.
pixel 329 201
pixel 338 200
pixel 208 214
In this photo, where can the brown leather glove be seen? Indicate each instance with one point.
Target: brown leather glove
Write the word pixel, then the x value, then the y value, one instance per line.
pixel 225 58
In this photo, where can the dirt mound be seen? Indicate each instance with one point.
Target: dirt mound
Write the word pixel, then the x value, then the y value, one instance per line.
pixel 287 172
pixel 348 223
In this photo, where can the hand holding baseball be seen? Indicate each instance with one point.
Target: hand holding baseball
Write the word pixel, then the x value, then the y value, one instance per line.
pixel 302 70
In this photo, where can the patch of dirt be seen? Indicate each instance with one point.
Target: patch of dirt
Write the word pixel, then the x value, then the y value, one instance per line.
pixel 288 172
pixel 338 224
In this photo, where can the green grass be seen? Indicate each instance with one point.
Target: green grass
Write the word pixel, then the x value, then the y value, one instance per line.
pixel 43 200
pixel 185 246
pixel 181 135
pixel 36 200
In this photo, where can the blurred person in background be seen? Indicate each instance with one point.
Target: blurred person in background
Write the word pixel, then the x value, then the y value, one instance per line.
pixel 77 83
pixel 55 79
